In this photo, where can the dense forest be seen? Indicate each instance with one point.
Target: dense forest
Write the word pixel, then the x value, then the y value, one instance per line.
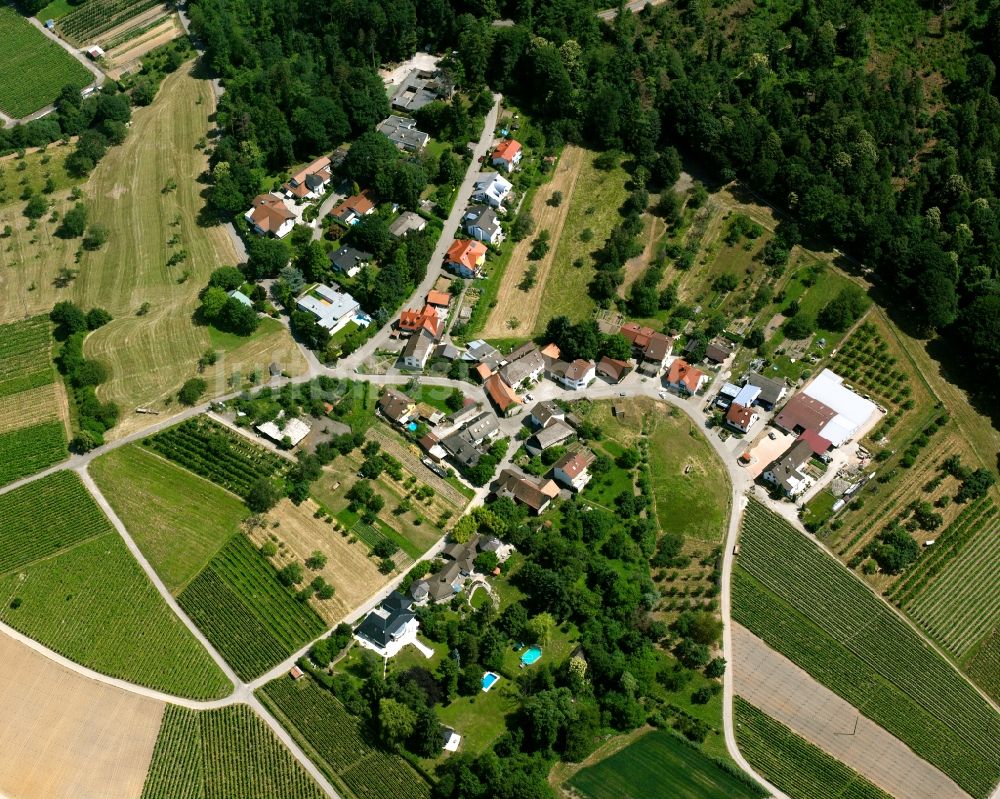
pixel 876 126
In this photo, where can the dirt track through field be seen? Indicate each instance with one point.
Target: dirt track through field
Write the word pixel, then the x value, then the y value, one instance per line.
pixel 788 694
pixel 512 303
pixel 64 736
pixel 634 267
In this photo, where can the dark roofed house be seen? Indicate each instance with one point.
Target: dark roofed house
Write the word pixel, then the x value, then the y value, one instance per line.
pixel 385 626
pixel 396 406
pixel 613 370
pixel 350 261
pixel 718 350
pixel 544 412
pixel 549 436
pixel 771 391
pixel 786 472
pixel 535 494
pixel 402 131
pixel 481 222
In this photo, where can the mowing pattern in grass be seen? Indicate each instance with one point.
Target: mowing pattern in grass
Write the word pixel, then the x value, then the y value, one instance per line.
pixel 644 768
pixel 30 449
pixel 220 754
pixel 791 763
pixel 97 16
pixel 217 453
pixel 249 616
pixel 24 353
pixel 93 604
pixel 811 609
pixel 319 722
pixel 33 68
pixel 46 516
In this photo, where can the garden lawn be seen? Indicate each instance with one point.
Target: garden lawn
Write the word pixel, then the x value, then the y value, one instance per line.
pixel 33 68
pixel 93 604
pixel 656 765
pixel 179 520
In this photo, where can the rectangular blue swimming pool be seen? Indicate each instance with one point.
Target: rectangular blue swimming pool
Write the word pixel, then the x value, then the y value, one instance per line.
pixel 489 678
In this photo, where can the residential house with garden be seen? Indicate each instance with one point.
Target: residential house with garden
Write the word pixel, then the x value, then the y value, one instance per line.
pixel 309 182
pixel 421 87
pixel 572 470
pixel 481 222
pixel 403 132
pixel 684 378
pixel 269 215
pixel 389 627
pixel 353 209
pixel 466 258
pixel 396 406
pixel 333 309
pixel 407 222
pixel 507 155
pixel 787 473
pixel 535 493
pixel 492 188
pixel 349 261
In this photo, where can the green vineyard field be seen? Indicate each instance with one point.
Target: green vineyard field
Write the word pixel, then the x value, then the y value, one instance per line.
pixel 24 355
pixel 27 52
pixel 213 451
pixel 92 603
pixel 31 449
pixel 791 763
pixel 814 611
pixel 95 17
pixel 222 754
pixel 249 616
pixel 316 718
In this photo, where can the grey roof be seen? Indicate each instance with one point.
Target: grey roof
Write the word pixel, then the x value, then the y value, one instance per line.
pixel 543 411
pixel 481 216
pixel 420 88
pixel 553 434
pixel 479 350
pixel 406 222
pixel 464 445
pixel 447 351
pixel 387 620
pixel 789 464
pixel 347 258
pixel 770 390
pixel 419 346
pixel 515 373
pixel 402 131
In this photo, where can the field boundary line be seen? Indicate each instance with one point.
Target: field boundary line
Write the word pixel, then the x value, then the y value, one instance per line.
pixel 154 578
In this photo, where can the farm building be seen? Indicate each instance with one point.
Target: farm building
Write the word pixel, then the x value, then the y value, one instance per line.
pixel 828 408
pixel 502 394
pixel 771 391
pixel 786 473
pixel 293 429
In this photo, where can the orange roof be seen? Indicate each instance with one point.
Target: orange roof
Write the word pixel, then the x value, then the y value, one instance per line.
pixel 361 204
pixel 438 298
pixel 466 252
pixel 502 394
pixel 316 166
pixel 270 212
pixel 683 373
pixel 483 370
pixel 415 320
pixel 550 350
pixel 740 415
pixel 507 150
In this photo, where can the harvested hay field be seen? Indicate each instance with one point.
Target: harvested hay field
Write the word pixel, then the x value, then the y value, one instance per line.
pixel 349 569
pixel 66 736
pixel 512 303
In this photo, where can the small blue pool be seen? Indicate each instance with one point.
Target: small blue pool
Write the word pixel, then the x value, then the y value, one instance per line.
pixel 411 426
pixel 489 680
pixel 531 656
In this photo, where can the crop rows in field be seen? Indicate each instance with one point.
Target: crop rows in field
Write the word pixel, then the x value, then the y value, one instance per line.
pixel 984 666
pixel 791 763
pixel 45 516
pixel 853 618
pixel 312 713
pixel 216 453
pixel 963 603
pixel 249 616
pixel 97 16
pixel 93 604
pixel 30 449
pixel 220 754
pixel 33 69
pixel 791 633
pixel 948 542
pixel 24 354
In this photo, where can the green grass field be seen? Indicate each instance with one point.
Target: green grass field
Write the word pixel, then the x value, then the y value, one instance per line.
pixel 791 763
pixel 179 520
pixel 27 52
pixel 81 593
pixel 335 741
pixel 814 611
pixel 38 167
pixel 656 765
pixel 150 356
pixel 222 754
pixel 594 206
pixel 248 615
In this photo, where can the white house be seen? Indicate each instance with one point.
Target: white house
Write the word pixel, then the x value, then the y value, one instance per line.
pixel 578 374
pixel 418 349
pixel 389 627
pixel 481 223
pixel 787 473
pixel 269 214
pixel 572 469
pixel 492 188
pixel 507 155
pixel 333 309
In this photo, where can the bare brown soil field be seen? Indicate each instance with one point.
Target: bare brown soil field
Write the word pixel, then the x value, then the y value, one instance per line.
pixel 65 736
pixel 127 57
pixel 349 568
pixel 511 301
